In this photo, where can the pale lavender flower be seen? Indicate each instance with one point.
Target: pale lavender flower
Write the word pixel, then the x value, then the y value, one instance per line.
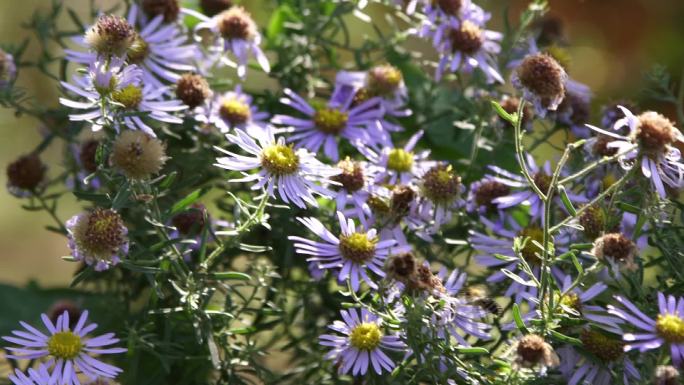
pixel 361 343
pixel 607 359
pixel 442 11
pixel 351 254
pixel 296 174
pixel 159 49
pixel 441 191
pixel 233 109
pixel 98 238
pixel 322 125
pixel 649 145
pixel 34 377
pixel 235 32
pixel 576 300
pixel 464 45
pixel 398 165
pixel 8 70
pixel 667 329
pixel 70 352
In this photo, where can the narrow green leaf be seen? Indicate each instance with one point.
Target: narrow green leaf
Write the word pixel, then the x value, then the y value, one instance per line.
pixel 185 202
pixel 518 320
pixel 567 203
pixel 236 275
pixel 471 350
pixel 512 119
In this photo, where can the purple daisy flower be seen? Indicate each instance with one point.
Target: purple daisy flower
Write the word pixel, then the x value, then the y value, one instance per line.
pixel 98 238
pixel 575 300
pixel 607 359
pixel 323 124
pixel 350 254
pixel 115 92
pixel 483 193
pixel 361 344
pixel 398 165
pixel 35 377
pixel 234 31
pixel 159 49
pixel 441 190
pixel 666 329
pixel 233 109
pixel 465 45
pixel 497 252
pixel 525 194
pixel 654 137
pixel 69 351
pixel 355 179
pixel 297 174
pixel 444 10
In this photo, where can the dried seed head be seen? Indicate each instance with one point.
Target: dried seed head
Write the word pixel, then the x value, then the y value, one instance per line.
pixel 351 177
pixel 111 35
pixel 617 248
pixel 214 7
pixel 26 173
pixel 192 89
pixel 605 348
pixel 532 350
pixel 59 307
pixel 593 220
pixel 402 267
pixel 450 7
pixel 87 155
pixel 192 221
pixel 100 234
pixel 468 38
pixel 543 181
pixel 169 8
pixel 666 375
pixel 236 23
pixel 402 198
pixel 138 155
pixel 235 110
pixel 543 76
pixel 511 105
pixel 440 184
pixel 489 190
pixel 384 80
pixel 654 133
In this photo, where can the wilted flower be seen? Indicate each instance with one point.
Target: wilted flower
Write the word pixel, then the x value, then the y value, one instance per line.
pixel 323 124
pixel 8 69
pixel 355 180
pixel 98 238
pixel 137 155
pixel 350 254
pixel 655 138
pixel 616 250
pixel 192 221
pixel 441 187
pixel 110 36
pixel 666 375
pixel 533 351
pixel 236 33
pixel 666 329
pixel 483 194
pixel 213 7
pixel 70 351
pixel 193 90
pixel 295 173
pixel 169 9
pixel 398 165
pixel 542 81
pixel 25 175
pixel 361 344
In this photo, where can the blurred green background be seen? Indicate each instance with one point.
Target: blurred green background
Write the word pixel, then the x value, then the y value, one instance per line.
pixel 613 42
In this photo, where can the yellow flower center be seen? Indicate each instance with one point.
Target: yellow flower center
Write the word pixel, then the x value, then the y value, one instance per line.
pixel 608 181
pixel 670 327
pixel 530 250
pixel 279 159
pixel 572 301
pixel 65 345
pixel 440 184
pixel 357 247
pixel 400 160
pixel 384 80
pixel 235 111
pixel 366 336
pixel 129 96
pixel 330 120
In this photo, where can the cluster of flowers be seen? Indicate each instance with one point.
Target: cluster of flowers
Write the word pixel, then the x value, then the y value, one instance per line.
pixel 142 73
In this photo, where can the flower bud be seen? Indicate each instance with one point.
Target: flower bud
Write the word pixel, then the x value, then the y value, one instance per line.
pixel 25 174
pixel 192 89
pixel 214 7
pixel 137 155
pixel 111 35
pixel 616 248
pixel 168 8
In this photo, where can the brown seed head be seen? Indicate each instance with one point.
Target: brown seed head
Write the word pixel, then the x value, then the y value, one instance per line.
pixel 168 8
pixel 488 191
pixel 543 76
pixel 192 89
pixel 111 35
pixel 654 133
pixel 192 221
pixel 617 248
pixel 666 375
pixel 593 221
pixel 59 307
pixel 26 173
pixel 100 233
pixel 467 38
pixel 440 184
pixel 88 154
pixel 236 23
pixel 214 7
pixel 351 178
